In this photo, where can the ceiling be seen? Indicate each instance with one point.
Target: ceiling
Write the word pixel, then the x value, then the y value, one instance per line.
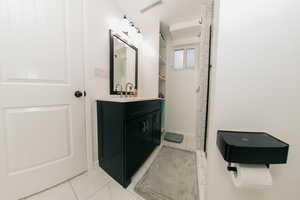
pixel 186 30
pixel 170 11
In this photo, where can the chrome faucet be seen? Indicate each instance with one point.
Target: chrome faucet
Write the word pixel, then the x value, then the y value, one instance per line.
pixel 130 86
pixel 119 91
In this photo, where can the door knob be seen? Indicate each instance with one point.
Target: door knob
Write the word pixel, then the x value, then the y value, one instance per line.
pixel 78 94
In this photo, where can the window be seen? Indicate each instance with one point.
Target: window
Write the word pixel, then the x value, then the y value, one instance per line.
pixel 184 58
pixel 190 57
pixel 179 58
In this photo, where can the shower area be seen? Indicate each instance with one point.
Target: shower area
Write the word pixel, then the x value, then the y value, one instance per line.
pixel 184 65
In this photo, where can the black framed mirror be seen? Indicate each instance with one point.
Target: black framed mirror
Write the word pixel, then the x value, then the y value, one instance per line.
pixel 123 65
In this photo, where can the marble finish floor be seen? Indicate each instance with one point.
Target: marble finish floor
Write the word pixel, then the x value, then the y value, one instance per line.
pixel 97 185
pixel 93 185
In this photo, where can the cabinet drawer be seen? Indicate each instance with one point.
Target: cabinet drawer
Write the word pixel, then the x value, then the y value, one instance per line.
pixel 138 108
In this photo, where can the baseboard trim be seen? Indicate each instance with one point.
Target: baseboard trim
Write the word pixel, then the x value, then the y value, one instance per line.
pixel 96 164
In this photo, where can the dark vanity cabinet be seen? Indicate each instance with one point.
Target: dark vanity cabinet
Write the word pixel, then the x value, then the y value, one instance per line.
pixel 128 132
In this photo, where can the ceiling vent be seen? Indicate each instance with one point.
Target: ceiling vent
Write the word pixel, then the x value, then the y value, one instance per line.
pixel 152 5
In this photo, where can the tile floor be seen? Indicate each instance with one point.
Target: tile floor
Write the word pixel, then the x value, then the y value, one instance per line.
pixel 93 185
pixel 97 185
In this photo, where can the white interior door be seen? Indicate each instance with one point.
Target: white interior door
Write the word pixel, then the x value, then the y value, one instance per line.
pixel 42 140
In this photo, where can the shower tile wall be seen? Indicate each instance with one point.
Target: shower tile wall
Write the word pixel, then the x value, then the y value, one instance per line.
pixel 203 73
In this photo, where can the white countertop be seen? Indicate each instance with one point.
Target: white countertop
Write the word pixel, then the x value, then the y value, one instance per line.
pixel 127 99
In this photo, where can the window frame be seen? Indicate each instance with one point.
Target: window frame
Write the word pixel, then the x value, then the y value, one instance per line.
pixel 185 48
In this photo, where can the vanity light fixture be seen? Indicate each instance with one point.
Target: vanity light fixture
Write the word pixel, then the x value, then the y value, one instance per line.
pixel 129 32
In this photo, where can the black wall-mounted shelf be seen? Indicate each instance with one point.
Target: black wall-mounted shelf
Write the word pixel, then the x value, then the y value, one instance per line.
pixel 251 148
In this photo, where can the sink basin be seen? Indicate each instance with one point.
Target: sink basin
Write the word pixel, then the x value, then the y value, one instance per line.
pixel 127 99
pixel 251 147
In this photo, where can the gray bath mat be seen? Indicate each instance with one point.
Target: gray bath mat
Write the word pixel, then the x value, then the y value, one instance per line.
pixel 173 137
pixel 172 176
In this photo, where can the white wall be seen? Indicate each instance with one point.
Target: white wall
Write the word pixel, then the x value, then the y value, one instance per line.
pixel 100 16
pixel 257 88
pixel 149 60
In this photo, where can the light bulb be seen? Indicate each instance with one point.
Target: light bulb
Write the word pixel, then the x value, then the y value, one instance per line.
pixel 139 36
pixel 132 31
pixel 125 24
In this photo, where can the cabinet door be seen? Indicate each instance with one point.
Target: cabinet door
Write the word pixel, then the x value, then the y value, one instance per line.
pixel 156 128
pixel 137 145
pixel 148 137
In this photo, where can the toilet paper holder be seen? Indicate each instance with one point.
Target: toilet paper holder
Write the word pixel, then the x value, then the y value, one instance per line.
pixel 232 168
pixel 251 148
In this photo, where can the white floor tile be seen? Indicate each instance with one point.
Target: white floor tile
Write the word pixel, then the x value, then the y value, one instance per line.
pixel 89 183
pixel 113 191
pixel 202 194
pixel 61 192
pixel 201 166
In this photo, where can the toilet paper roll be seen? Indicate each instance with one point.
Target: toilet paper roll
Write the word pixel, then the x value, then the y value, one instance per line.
pixel 252 176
